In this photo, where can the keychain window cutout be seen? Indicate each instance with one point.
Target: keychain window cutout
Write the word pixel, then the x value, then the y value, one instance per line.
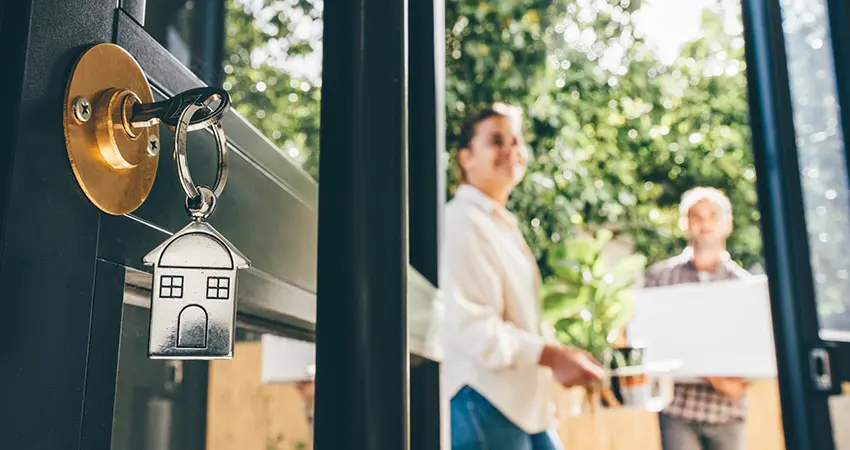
pixel 171 286
pixel 218 288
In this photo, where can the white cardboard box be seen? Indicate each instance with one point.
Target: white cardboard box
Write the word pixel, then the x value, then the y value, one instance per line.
pixel 720 328
pixel 287 360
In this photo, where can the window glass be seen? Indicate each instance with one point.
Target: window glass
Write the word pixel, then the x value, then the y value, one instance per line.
pixel 273 71
pixel 266 53
pixel 820 147
pixel 261 399
pixel 192 31
pixel 159 404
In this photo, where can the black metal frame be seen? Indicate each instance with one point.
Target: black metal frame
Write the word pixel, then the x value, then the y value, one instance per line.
pixel 839 20
pixel 426 176
pixel 48 248
pixel 63 263
pixel 209 41
pixel 103 356
pixel 426 132
pixel 362 270
pixel 426 415
pixel 805 411
pixel 134 9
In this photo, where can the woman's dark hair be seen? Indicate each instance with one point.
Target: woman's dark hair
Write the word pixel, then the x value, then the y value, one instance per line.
pixel 467 128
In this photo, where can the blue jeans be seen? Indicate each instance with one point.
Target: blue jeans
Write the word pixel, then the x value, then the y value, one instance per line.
pixel 478 425
pixel 678 434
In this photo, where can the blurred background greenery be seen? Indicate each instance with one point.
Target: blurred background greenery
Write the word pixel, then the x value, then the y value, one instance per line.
pixel 618 131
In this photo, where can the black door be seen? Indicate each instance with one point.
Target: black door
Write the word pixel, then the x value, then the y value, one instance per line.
pixel 74 292
pixel 798 68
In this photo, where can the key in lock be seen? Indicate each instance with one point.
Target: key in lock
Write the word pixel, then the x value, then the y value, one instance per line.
pixel 193 300
pixel 120 116
pixel 109 119
pixel 215 101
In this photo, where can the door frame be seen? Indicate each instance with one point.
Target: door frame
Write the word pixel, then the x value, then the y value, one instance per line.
pixel 800 344
pixel 63 262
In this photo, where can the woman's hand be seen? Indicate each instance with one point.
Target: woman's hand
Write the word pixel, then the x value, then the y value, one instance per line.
pixel 571 366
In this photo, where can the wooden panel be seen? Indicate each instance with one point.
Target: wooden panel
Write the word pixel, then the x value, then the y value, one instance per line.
pixel 764 424
pixel 247 415
pixel 630 430
pixel 611 430
pixel 244 414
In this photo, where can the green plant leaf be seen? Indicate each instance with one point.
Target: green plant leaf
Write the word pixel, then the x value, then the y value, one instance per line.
pixel 603 237
pixel 573 334
pixel 561 304
pixel 567 323
pixel 629 266
pixel 582 250
pixel 600 268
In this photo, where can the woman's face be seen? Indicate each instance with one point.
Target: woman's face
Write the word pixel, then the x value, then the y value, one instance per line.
pixel 497 156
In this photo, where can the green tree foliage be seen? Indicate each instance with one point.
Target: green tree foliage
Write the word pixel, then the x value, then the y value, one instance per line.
pixel 616 135
pixel 263 39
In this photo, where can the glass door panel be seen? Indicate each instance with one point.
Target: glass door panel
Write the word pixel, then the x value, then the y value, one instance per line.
pixel 262 399
pixel 823 167
pixel 824 183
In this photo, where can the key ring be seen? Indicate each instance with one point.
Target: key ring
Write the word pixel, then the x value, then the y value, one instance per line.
pixel 203 197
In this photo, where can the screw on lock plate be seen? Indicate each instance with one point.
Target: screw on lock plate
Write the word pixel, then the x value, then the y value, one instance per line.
pixel 153 145
pixel 82 109
pixel 112 164
pixel 109 117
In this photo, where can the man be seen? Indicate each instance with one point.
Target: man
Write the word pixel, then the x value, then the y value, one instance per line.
pixel 708 415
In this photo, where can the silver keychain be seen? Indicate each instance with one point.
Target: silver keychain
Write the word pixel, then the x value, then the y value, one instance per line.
pixel 193 301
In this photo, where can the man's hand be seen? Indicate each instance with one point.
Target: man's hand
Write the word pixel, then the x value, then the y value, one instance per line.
pixel 730 387
pixel 571 366
pixel 307 388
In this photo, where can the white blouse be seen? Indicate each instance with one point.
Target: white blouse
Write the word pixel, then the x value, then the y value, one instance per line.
pixel 493 326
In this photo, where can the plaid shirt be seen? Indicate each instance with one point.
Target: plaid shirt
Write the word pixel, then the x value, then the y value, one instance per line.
pixel 698 402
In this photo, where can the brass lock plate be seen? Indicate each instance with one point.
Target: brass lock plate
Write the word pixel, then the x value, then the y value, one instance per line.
pixel 114 162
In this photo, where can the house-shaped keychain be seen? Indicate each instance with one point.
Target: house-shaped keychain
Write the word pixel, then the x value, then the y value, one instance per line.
pixel 193 303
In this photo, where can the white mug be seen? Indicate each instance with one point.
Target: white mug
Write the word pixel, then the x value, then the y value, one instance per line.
pixel 646 387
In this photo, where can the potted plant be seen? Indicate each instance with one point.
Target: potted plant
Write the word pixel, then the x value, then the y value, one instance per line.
pixel 588 299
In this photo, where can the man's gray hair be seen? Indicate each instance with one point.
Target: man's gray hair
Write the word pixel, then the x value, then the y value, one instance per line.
pixel 695 195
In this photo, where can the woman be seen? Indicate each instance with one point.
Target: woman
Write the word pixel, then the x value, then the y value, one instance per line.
pixel 498 366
